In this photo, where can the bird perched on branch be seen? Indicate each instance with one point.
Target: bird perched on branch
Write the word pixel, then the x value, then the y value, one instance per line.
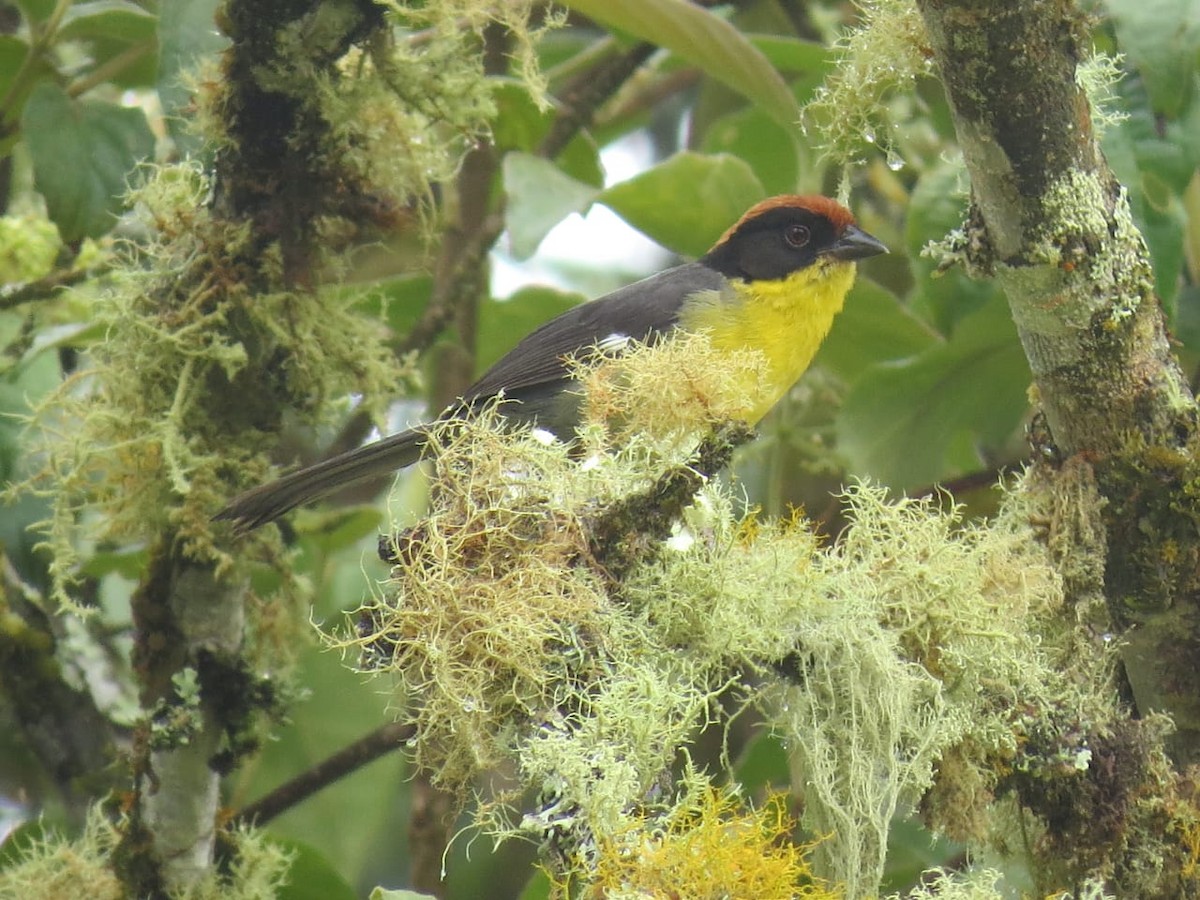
pixel 772 283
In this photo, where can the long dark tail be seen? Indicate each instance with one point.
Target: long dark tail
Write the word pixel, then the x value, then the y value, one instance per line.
pixel 268 502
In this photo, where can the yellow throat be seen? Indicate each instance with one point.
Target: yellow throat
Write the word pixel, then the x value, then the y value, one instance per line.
pixel 785 319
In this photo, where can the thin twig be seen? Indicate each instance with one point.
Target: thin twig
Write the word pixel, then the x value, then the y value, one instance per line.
pixel 365 750
pixel 18 292
pixel 111 67
pixel 584 95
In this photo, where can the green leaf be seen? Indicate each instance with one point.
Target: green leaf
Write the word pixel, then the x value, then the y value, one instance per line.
pixel 873 327
pixel 1161 38
pixel 311 875
pixel 401 301
pixel 107 18
pixel 83 155
pixel 703 39
pixel 540 195
pixel 913 851
pixel 186 34
pixel 502 323
pixel 687 202
pixel 791 54
pixel 762 765
pixel 129 564
pixel 902 420
pixel 539 887
pixel 340 710
pixel 770 149
pixel 37 10
pixel 20 840
pixel 1167 147
pixel 110 27
pixel 13 53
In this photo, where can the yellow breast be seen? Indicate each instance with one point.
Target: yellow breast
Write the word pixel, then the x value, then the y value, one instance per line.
pixel 786 320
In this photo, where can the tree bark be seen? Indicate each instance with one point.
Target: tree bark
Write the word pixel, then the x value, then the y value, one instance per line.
pixel 1052 225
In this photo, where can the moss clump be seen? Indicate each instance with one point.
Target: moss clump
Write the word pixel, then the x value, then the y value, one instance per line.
pixel 150 430
pixel 29 245
pixel 56 868
pixel 913 661
pixel 881 58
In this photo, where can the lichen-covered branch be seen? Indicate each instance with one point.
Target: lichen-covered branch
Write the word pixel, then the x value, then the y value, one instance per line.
pixel 1052 225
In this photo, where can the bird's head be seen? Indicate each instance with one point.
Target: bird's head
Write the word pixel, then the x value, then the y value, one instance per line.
pixel 783 235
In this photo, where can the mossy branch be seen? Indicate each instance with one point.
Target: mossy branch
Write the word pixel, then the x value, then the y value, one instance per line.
pixel 1052 225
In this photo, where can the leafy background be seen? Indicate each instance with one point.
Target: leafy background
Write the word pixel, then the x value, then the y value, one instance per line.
pixel 921 383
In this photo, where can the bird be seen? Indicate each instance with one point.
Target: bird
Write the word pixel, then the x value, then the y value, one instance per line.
pixel 774 281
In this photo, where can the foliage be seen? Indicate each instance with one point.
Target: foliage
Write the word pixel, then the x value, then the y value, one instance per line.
pixel 919 659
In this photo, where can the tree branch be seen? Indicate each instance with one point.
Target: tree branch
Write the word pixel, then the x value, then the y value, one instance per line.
pixel 349 759
pixel 1052 225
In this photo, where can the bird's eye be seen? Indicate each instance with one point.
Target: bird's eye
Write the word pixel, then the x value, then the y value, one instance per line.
pixel 797 235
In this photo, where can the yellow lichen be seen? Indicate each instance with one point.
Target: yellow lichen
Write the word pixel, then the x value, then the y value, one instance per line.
pixel 710 848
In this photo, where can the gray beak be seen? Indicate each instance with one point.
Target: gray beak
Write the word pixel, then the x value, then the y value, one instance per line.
pixel 854 243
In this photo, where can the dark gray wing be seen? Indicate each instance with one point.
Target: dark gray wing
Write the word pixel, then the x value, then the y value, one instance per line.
pixel 535 366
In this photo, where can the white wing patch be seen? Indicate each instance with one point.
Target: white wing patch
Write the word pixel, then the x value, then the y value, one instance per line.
pixel 613 343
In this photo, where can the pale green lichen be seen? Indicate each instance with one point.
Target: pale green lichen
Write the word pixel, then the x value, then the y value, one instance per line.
pixel 147 437
pixel 912 660
pixel 1086 265
pixel 138 434
pixel 879 59
pixel 1098 76
pixel 54 867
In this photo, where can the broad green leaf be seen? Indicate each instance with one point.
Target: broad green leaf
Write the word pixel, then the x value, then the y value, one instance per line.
pixel 21 387
pixel 873 327
pixel 37 10
pixel 502 323
pixel 762 765
pixel 21 839
pixel 311 875
pixel 791 54
pixel 902 420
pixel 84 153
pixel 13 53
pixel 341 708
pixel 107 18
pixel 539 887
pixel 186 34
pixel 1167 147
pixel 912 851
pixel 520 125
pixel 400 301
pixel 1187 327
pixel 1161 38
pixel 540 195
pixel 129 564
pixel 703 39
pixel 770 149
pixel 112 27
pixel 687 202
